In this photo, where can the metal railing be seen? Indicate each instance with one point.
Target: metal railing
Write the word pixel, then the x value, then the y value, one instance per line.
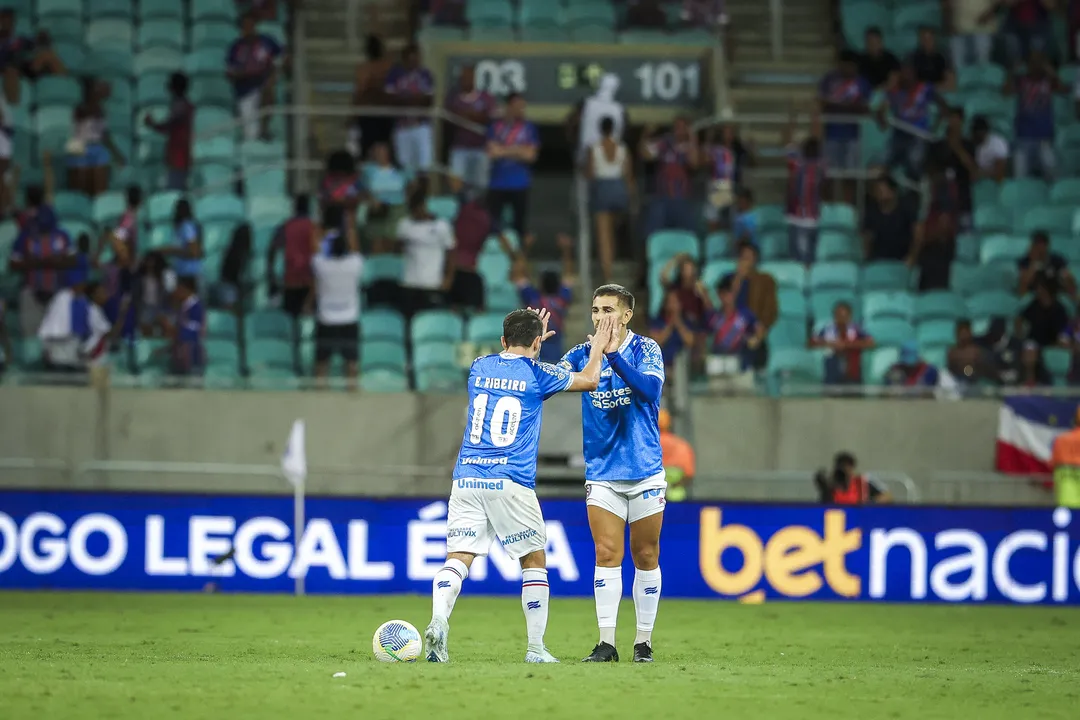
pixel 789 486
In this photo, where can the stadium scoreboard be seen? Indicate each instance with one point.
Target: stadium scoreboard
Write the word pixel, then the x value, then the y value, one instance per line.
pixel 656 80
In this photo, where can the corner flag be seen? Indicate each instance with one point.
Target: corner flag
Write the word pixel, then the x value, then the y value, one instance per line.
pixel 294 461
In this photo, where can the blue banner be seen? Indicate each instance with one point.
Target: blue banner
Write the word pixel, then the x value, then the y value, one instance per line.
pixel 747 552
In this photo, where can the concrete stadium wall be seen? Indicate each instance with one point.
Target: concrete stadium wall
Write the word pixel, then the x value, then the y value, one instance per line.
pixel 352 440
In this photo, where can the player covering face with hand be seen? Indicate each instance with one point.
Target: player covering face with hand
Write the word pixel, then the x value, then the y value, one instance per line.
pixel 624 471
pixel 493 494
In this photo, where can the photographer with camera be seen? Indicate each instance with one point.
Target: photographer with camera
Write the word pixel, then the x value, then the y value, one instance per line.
pixel 845 486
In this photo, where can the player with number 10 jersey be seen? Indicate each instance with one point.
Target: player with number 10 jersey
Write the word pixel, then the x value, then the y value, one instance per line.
pixel 493 493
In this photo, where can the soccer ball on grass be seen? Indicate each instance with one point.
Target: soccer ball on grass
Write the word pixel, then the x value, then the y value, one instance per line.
pixel 397 641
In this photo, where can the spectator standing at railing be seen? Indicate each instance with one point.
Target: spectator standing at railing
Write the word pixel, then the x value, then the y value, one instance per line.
pixel 251 64
pixel 845 340
pixel 972 25
pixel 672 329
pixel 293 238
pixel 513 144
pixel 187 248
pixel 1041 265
pixel 1046 316
pixel 957 154
pixel 609 170
pixel 1033 149
pixel 337 274
pixel 1033 371
pixel 681 274
pixel 991 150
pixel 555 292
pixel 968 362
pixel 472 227
pixel 842 92
pixel 806 174
pixel 178 128
pixel 187 330
pixel 934 248
pixel 468 156
pixel 41 253
pixel 411 85
pixel 369 90
pixel 911 371
pixel 931 64
pixel 889 223
pixel 386 186
pixel 755 293
pixel 877 65
pixel 676 156
pixel 733 337
pixel 1026 27
pixel 1065 462
pixel 428 245
pixel 909 102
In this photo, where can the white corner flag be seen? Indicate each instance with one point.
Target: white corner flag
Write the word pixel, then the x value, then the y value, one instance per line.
pixel 294 461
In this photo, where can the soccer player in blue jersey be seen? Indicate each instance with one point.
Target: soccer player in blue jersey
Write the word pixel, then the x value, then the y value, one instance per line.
pixel 493 493
pixel 624 471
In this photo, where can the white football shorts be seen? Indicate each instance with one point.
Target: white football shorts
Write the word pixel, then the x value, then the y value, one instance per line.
pixel 632 500
pixel 482 511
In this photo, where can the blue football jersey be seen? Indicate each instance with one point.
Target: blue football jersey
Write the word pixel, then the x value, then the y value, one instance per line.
pixel 502 435
pixel 620 431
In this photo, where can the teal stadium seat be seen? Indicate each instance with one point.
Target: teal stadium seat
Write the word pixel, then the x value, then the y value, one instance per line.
pixel 436 354
pixel 834 275
pixel 73 205
pixel 1019 194
pixel 383 268
pixel 502 298
pixel 207 10
pixel 158 59
pixel 269 353
pixel 485 329
pixel 787 333
pixel 169 9
pixel 384 381
pixel 439 380
pixel 110 33
pixel 58 8
pixel 834 245
pixel 787 274
pixel 534 13
pixel 792 304
pixel 217 236
pixel 939 305
pixel 494 269
pixel 489 14
pixel 107 207
pixel 1058 361
pixel 936 332
pixel 838 216
pixel 823 302
pixel 1003 248
pixel 773 245
pixel 163 33
pixel 877 362
pixel 717 245
pixel 855 19
pixel 221 325
pixel 666 244
pixel 590 12
pixel 890 331
pixel 991 219
pixel 770 217
pixel 1066 192
pixel 161 205
pixel 384 325
pixel 1049 218
pixel 268 324
pixel 796 365
pixel 980 77
pixel 378 355
pixel 58 90
pixel 268 209
pixel 219 208
pixel 885 275
pixel 911 16
pixel 211 91
pixel 222 353
pixel 443 207
pixel 152 88
pixel 985 192
pixel 436 326
pixel 877 305
pixel 98 9
pixel 993 303
pixel 213 35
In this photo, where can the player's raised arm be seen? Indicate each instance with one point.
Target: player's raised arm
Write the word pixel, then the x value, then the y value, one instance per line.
pixel 646 377
pixel 589 378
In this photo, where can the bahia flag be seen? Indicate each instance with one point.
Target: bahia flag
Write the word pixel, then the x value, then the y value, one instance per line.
pixel 1027 427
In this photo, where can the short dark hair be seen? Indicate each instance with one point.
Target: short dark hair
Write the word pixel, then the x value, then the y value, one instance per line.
pixel 957 111
pixel 844 458
pixel 613 290
pixel 980 123
pixel 849 56
pixel 302 205
pixel 187 282
pixel 514 96
pixel 521 327
pixel 607 125
pixel 963 323
pixel 1040 236
pixel 841 304
pixel 550 282
pixel 873 30
pixel 889 180
pixel 333 216
pixel 747 245
pixel 134 195
pixel 745 193
pixel 724 285
pixel 178 83
pixel 35 195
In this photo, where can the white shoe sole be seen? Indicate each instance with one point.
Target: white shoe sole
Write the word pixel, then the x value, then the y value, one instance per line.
pixel 532 657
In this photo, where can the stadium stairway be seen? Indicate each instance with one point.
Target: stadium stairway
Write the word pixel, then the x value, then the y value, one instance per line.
pixel 761 84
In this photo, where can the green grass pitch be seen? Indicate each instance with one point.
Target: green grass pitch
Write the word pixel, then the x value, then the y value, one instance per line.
pixel 151 657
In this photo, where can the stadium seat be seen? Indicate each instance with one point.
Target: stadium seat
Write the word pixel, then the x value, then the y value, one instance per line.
pixel 834 245
pixel 583 12
pixel 890 331
pixel 1058 362
pixel 439 379
pixel 793 304
pixel 485 329
pixel 773 245
pixel 823 302
pixel 489 14
pixel 712 273
pixel 494 269
pixel 877 305
pixel 666 244
pixel 212 91
pixel 991 219
pixel 162 33
pixel 161 205
pixel 213 35
pixel 268 324
pixel 885 275
pixel 384 325
pixel 382 355
pixel 435 326
pixel 788 333
pixel 877 362
pixel 502 298
pixel 58 90
pixel 217 236
pixel 796 364
pixel 110 33
pixel 985 192
pixel 220 208
pixel 383 267
pixel 993 303
pixel 717 246
pixel 268 209
pixel 1003 248
pixel 73 205
pixel 221 325
pixel 1048 218
pixel 1023 193
pixel 980 77
pixel 936 332
pixel 107 207
pixel 158 59
pixel 770 217
pixel 838 216
pixel 1066 192
pixel 435 354
pixel 270 352
pixel 786 273
pixel 204 10
pixel 58 8
pixel 939 305
pixel 834 275
pixel 384 381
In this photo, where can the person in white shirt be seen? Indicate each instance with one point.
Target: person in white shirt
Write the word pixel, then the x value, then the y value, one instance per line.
pixel 337 266
pixel 972 24
pixel 991 150
pixel 427 243
pixel 585 120
pixel 611 175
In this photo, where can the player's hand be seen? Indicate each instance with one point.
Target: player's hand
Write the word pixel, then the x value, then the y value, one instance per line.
pixel 600 338
pixel 615 340
pixel 544 317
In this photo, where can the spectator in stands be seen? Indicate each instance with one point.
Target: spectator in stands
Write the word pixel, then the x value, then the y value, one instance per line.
pixel 680 274
pixel 877 65
pixel 743 152
pixel 38 210
pixel 733 335
pixel 369 90
pixel 22 56
pixel 41 253
pixel 1072 17
pixel 386 186
pixel 931 64
pixel 646 15
pixel 911 371
pixel 972 25
pixel 967 361
pixel 428 245
pixel 583 124
pixel 676 157
pixel 1033 372
pixel 1033 151
pixel 448 12
pixel 468 158
pixel 124 242
pixel 555 293
pixel 889 223
pixel 232 285
pixel 909 103
pixel 75 333
pixel 806 175
pixel 610 172
pixel 251 64
pixel 341 183
pixel 726 160
pixel 1026 27
pixel 991 150
pixel 1003 347
pixel 935 241
pixel 680 464
pixel 746 226
pixel 846 486
pixel 1046 316
pixel 472 227
pixel 957 154
pixel 411 85
pixel 512 144
pixel 187 330
pixel 153 292
pixel 1071 339
pixel 672 329
pixel 845 340
pixel 293 238
pixel 843 92
pixel 337 295
pixel 178 128
pixel 1041 265
pixel 91 149
pixel 262 9
pixel 755 293
pixel 6 355
pixel 187 249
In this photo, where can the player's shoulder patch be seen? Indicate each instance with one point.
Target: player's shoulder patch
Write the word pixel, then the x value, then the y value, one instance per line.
pixel 574 354
pixel 548 368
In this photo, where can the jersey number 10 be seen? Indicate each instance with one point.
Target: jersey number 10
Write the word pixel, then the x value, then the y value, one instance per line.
pixel 505 419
